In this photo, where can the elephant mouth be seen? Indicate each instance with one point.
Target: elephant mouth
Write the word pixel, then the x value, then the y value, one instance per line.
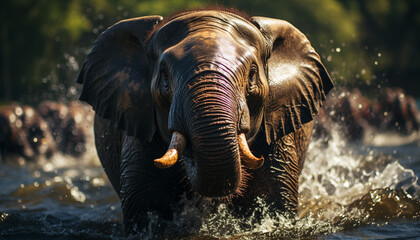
pixel 209 181
pixel 178 148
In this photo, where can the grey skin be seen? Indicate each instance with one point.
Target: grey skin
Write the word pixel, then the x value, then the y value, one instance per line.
pixel 201 83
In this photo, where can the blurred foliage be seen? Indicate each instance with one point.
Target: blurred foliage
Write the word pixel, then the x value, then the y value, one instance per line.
pixel 362 43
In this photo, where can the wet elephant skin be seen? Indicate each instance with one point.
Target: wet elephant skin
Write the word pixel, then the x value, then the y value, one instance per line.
pixel 206 79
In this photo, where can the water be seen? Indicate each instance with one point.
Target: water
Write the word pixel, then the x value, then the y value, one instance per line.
pixel 347 191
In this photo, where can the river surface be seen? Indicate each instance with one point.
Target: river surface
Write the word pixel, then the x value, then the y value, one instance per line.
pixel 347 191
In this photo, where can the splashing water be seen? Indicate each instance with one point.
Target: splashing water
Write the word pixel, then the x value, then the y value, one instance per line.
pixel 347 186
pixel 343 188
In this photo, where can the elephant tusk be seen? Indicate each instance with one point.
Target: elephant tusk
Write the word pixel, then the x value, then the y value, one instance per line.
pixel 247 158
pixel 176 147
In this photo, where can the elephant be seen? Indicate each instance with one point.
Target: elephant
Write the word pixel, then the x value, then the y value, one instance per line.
pixel 211 104
pixel 14 137
pixel 67 123
pixel 56 116
pixel 360 118
pixel 24 132
pixel 352 111
pixel 398 112
pixel 76 130
pixel 38 133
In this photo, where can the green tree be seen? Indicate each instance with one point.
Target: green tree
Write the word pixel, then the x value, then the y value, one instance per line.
pixel 391 36
pixel 362 43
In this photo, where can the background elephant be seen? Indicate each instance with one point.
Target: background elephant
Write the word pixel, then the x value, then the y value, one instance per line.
pixel 56 115
pixel 76 131
pixel 68 125
pixel 14 137
pixel 359 118
pixel 38 133
pixel 24 132
pixel 398 111
pixel 215 89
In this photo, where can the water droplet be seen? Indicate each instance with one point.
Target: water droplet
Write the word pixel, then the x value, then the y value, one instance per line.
pixel 18 111
pixel 37 174
pixel 338 49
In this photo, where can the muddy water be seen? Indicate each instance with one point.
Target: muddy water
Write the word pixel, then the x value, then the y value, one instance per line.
pixel 358 191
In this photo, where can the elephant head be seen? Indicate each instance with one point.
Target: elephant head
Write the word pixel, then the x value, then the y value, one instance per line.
pixel 206 82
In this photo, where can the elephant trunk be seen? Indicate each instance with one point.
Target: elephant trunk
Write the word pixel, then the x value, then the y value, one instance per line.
pixel 216 158
pixel 210 113
pixel 212 127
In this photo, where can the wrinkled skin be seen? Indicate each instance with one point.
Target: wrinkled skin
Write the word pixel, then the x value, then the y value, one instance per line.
pixel 218 84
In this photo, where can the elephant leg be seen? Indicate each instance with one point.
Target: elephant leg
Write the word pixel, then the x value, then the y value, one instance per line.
pixel 108 141
pixel 144 188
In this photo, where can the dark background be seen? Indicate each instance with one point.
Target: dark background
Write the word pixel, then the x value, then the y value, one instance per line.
pixel 365 44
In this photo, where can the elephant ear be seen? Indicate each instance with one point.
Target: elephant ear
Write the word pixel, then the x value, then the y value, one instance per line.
pixel 298 82
pixel 115 77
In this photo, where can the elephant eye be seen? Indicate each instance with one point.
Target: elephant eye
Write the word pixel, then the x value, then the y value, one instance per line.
pixel 164 79
pixel 252 78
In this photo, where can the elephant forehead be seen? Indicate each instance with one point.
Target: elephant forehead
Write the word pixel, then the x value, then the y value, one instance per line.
pixel 206 35
pixel 208 25
pixel 219 41
pixel 208 47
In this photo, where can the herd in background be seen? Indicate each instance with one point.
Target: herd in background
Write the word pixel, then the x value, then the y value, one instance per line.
pixel 392 111
pixel 52 127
